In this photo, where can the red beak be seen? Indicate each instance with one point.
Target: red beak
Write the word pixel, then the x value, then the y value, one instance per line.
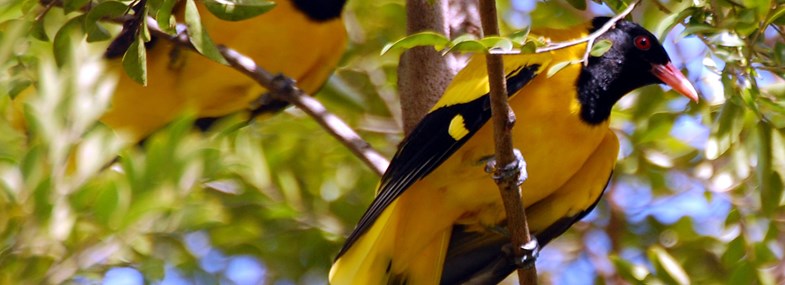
pixel 669 74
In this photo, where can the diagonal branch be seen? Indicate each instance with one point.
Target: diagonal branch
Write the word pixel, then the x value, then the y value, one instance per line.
pixel 283 87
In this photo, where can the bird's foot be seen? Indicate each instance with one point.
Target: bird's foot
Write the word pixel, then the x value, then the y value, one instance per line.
pixel 530 250
pixel 516 168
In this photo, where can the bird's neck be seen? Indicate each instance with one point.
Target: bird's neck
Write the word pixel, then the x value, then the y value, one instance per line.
pixel 599 87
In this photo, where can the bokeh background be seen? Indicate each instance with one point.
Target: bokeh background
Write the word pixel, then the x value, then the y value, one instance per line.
pixel 696 196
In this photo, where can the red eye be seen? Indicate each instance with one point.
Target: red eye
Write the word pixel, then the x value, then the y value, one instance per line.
pixel 642 42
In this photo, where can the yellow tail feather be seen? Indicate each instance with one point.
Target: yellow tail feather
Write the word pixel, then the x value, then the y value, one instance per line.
pixel 375 258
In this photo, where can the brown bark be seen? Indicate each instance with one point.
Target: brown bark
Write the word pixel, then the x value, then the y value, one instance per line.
pixel 423 73
pixel 503 120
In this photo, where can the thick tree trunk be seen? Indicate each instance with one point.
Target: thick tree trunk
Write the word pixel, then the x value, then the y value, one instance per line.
pixel 423 73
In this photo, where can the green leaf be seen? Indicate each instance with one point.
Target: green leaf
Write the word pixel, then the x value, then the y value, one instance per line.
pixel 728 123
pixel 670 265
pixel 236 10
pixel 163 15
pixel 734 252
pixel 600 48
pixel 669 22
pixel 63 41
pixel 772 195
pixel 529 47
pixel 578 4
pixel 198 35
pixel 135 62
pixel 110 9
pixel 466 46
pixel 39 31
pixel 106 204
pixel 521 36
pixel 774 16
pixel 153 269
pixel 628 270
pixel 743 273
pixel 144 30
pixel 779 53
pixel 73 5
pixel 763 254
pixel 438 41
pixel 497 43
pixel 559 66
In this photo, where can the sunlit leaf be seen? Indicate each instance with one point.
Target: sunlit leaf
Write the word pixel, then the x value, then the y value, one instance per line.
pixel 198 35
pixel 438 41
pixel 497 43
pixel 236 10
pixel 672 267
pixel 63 41
pixel 601 47
pixel 164 17
pixel 558 67
pixel 734 252
pixel 466 46
pixel 109 9
pixel 135 62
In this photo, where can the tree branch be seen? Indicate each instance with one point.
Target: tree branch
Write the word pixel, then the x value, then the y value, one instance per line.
pixel 507 179
pixel 284 88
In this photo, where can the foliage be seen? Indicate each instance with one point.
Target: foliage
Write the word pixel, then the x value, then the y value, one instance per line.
pixel 696 196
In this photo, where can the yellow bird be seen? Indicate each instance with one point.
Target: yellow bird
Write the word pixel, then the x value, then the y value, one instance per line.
pixel 438 216
pixel 303 39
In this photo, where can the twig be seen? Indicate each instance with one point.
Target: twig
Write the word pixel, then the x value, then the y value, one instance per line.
pixel 284 88
pixel 503 119
pixel 47 7
pixel 588 39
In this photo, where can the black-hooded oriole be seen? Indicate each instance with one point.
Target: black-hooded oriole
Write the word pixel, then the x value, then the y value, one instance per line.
pixel 438 216
pixel 302 39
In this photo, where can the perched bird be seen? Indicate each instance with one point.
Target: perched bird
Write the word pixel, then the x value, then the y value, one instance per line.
pixel 303 39
pixel 438 216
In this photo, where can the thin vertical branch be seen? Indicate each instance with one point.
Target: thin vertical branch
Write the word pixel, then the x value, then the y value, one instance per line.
pixel 503 120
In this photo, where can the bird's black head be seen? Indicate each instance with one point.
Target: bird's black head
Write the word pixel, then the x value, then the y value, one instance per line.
pixel 320 10
pixel 635 59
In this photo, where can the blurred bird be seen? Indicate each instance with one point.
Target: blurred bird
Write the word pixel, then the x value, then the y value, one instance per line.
pixel 438 216
pixel 302 39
